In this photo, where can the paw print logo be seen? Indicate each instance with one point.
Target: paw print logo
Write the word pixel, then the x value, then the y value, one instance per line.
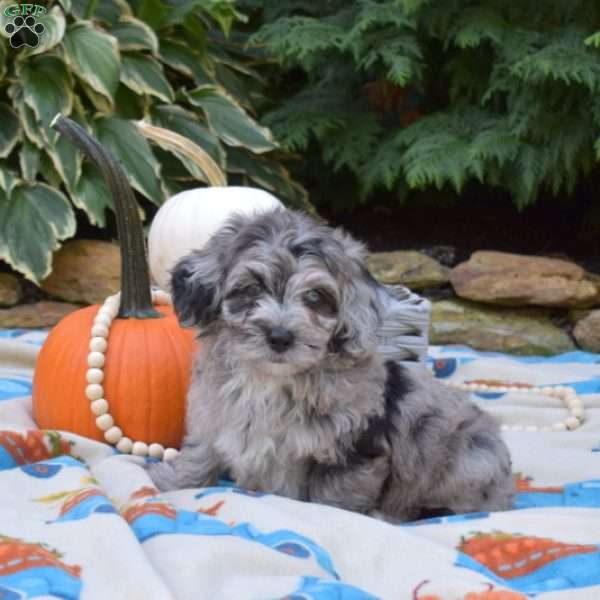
pixel 24 32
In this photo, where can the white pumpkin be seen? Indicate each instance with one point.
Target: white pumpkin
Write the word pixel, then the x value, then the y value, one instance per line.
pixel 187 220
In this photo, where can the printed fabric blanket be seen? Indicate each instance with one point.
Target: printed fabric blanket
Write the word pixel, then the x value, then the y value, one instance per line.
pixel 78 520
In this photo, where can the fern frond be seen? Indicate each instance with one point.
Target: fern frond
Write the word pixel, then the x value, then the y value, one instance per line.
pixel 383 168
pixel 593 40
pixel 353 143
pixel 296 39
pixel 476 25
pixel 564 58
pixel 311 112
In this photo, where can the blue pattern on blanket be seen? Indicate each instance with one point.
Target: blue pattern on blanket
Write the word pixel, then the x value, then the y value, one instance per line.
pixel 152 518
pixel 11 387
pixel 313 588
pixel 571 572
pixel 559 565
pixel 40 581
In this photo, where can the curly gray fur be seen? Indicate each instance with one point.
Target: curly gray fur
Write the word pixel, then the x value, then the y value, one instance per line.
pixel 290 396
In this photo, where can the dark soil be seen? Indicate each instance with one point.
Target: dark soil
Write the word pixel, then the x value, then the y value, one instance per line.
pixel 450 229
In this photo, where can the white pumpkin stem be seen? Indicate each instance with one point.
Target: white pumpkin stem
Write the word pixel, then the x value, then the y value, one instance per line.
pixel 136 300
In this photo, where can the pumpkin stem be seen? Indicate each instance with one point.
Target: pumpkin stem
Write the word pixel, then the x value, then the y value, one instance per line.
pixel 136 299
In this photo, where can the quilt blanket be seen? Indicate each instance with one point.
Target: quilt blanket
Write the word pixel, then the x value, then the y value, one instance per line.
pixel 80 521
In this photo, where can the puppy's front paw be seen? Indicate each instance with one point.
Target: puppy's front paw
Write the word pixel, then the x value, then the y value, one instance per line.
pixel 163 475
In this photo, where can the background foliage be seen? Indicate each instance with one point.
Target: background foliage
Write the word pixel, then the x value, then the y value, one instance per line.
pixel 401 94
pixel 108 64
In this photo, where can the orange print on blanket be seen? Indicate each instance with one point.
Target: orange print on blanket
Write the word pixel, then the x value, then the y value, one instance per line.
pixel 212 511
pixel 34 446
pixel 511 555
pixel 524 484
pixel 489 594
pixel 16 555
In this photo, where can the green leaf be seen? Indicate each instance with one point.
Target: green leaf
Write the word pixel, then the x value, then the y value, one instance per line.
pixel 92 196
pixel 66 159
pixel 9 131
pixel 54 23
pixel 47 88
pixel 8 180
pixel 153 12
pixel 593 40
pixel 129 105
pixel 101 103
pixel 94 56
pixel 133 151
pixel 228 120
pixel 29 160
pixel 2 59
pixel 134 34
pixel 50 174
pixel 33 220
pixel 269 175
pixel 187 124
pixel 108 11
pixel 30 125
pixel 222 11
pixel 144 75
pixel 185 60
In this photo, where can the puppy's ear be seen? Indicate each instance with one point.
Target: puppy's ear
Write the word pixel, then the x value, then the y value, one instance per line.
pixel 360 309
pixel 195 285
pixel 197 279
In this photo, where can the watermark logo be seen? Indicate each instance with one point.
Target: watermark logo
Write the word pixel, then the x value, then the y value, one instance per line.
pixel 23 29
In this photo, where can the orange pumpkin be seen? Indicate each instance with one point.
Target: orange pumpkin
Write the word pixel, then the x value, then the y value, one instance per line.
pixel 146 376
pixel 147 362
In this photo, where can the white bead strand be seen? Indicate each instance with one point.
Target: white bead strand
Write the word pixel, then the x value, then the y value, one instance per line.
pixel 567 395
pixel 94 390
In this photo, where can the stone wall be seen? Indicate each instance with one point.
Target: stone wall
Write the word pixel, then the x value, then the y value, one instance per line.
pixel 494 301
pixel 502 302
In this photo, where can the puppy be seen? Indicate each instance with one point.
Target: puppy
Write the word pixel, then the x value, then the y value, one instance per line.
pixel 289 394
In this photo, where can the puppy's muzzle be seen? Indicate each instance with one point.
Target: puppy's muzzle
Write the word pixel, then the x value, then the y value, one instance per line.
pixel 279 339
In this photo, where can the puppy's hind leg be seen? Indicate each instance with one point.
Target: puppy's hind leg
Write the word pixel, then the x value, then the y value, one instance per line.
pixel 195 466
pixel 352 487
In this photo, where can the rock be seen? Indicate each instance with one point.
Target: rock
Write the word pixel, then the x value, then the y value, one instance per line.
pixel 85 271
pixel 517 280
pixel 445 255
pixel 524 332
pixel 10 290
pixel 587 332
pixel 36 314
pixel 407 267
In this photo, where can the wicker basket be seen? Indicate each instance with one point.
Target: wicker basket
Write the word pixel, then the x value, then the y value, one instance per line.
pixel 403 336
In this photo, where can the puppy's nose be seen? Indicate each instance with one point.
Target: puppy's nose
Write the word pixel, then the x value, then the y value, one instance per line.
pixel 280 339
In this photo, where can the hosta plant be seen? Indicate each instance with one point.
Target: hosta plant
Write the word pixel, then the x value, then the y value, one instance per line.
pixel 110 66
pixel 404 94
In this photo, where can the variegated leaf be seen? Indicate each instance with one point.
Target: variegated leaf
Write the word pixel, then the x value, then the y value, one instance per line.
pixel 144 75
pixel 187 124
pixel 229 122
pixel 133 34
pixel 134 153
pixel 33 221
pixel 10 129
pixel 29 161
pixel 92 196
pixel 47 88
pixel 94 56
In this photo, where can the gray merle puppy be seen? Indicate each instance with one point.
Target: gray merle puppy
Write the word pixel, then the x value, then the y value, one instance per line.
pixel 289 394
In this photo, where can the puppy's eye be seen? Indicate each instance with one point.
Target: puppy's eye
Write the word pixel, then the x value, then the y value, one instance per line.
pixel 252 290
pixel 313 296
pixel 320 301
